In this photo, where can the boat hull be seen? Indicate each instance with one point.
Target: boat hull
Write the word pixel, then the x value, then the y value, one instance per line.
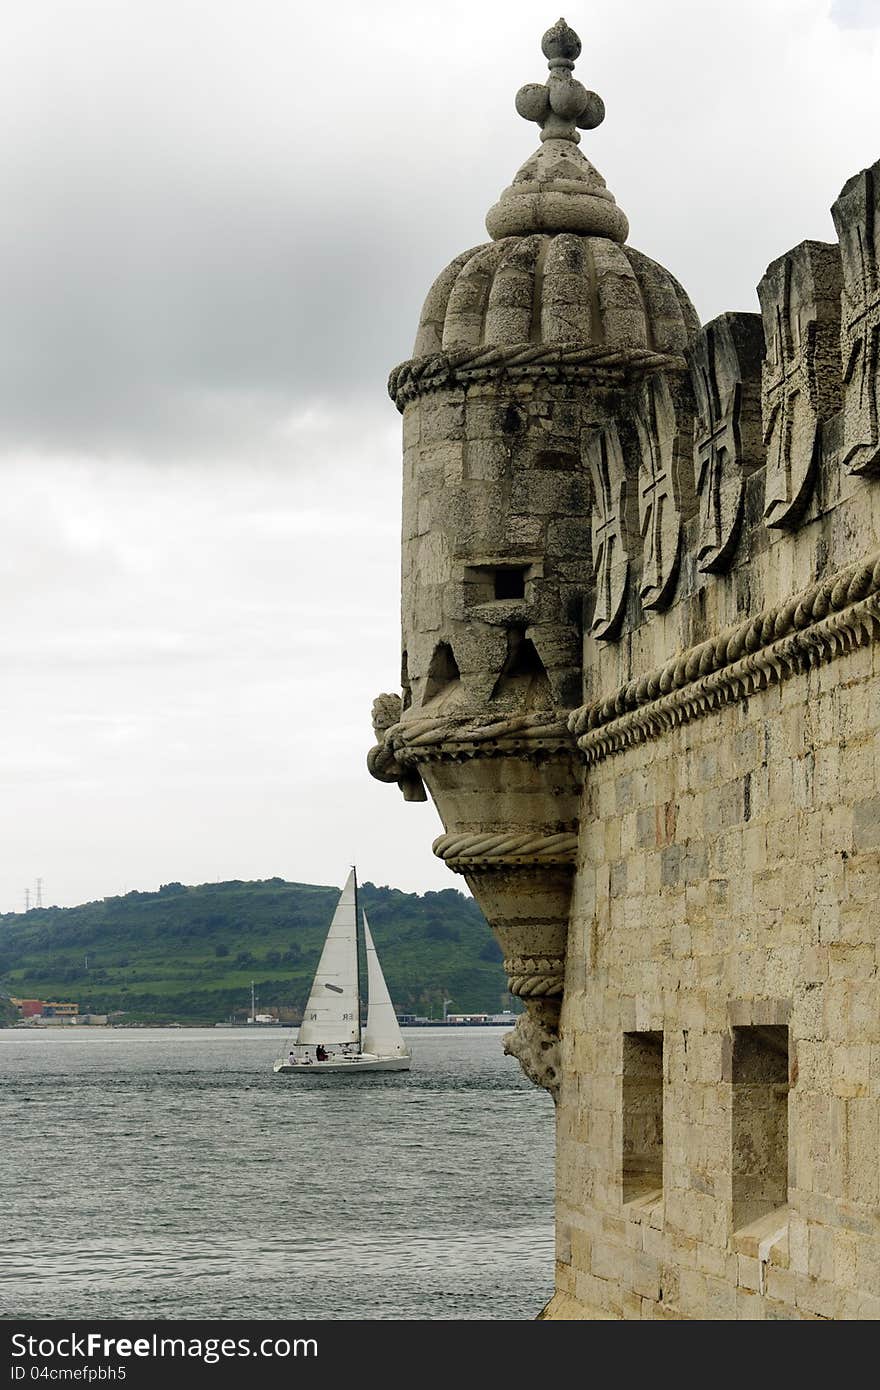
pixel 340 1066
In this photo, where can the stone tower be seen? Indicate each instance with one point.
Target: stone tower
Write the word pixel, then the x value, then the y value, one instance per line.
pixel 641 592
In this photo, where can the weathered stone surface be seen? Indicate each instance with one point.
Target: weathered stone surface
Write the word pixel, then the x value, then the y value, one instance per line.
pixel 857 220
pixel 551 291
pixel 604 457
pixel 534 1042
pixel 557 189
pixel 726 375
pixel 800 303
pixel 381 761
pixel 665 486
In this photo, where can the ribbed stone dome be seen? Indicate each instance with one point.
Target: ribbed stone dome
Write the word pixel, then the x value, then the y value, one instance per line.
pixel 555 291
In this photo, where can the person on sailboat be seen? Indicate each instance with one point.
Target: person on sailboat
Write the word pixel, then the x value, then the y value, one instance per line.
pixel 321 1053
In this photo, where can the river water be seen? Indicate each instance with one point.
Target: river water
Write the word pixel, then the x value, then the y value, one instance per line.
pixel 168 1173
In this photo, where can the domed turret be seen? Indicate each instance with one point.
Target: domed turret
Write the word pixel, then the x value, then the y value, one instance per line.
pixel 528 348
pixel 555 289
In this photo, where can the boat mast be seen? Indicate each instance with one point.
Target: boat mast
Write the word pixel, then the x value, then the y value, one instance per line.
pixel 357 946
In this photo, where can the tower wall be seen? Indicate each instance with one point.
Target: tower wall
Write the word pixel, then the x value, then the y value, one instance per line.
pixel 728 864
pixel 495 541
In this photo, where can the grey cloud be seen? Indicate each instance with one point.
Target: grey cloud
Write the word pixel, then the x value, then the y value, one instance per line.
pixel 856 14
pixel 190 253
pixel 220 221
pixel 212 220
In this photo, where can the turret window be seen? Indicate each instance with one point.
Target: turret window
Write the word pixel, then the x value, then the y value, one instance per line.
pixel 510 583
pixel 501 582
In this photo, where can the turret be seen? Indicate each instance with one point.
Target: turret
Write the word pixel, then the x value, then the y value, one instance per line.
pixel 543 360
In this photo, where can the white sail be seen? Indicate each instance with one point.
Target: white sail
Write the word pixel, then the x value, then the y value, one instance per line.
pixel 331 1015
pixel 382 1035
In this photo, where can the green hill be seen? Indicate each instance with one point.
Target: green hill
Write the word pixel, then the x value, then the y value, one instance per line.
pixel 190 954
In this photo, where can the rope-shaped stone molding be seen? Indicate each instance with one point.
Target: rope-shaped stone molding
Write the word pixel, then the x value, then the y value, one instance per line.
pixel 382 764
pixel 535 977
pixel 756 635
pixel 457 738
pixel 424 374
pixel 490 851
pixel 825 620
pixel 830 637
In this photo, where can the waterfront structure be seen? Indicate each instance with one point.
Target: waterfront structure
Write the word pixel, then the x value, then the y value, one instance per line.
pixel 641 603
pixel 63 1012
pixel 28 1008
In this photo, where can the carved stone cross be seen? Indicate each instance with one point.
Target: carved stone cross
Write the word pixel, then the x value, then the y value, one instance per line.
pixel 714 451
pixel 659 509
pixel 857 219
pixel 726 376
pixel 604 458
pixel 800 302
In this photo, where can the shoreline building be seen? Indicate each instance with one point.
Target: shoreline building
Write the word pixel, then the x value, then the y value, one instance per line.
pixel 53 1011
pixel 641 604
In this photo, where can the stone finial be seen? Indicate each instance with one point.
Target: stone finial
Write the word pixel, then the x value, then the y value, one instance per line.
pixel 561 103
pixel 558 190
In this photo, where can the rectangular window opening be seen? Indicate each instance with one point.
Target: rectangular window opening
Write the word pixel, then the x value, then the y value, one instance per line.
pixel 510 583
pixel 642 1115
pixel 759 1122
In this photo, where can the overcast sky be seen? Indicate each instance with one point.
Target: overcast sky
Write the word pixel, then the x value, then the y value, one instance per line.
pixel 220 219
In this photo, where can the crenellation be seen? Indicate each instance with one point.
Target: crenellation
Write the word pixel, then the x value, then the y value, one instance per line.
pixel 666 497
pixel 857 224
pixel 800 303
pixel 728 445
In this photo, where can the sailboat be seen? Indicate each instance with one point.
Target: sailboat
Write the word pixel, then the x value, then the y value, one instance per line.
pixel 331 1038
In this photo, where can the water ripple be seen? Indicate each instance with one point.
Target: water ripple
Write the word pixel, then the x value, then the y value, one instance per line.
pixel 172 1175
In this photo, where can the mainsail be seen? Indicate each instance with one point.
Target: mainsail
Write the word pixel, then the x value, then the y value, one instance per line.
pixel 331 1015
pixel 382 1034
